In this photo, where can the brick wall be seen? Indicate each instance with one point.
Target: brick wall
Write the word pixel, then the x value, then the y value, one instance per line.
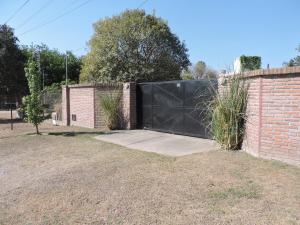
pixel 273 125
pixel 82 106
pixel 129 105
pixel 65 106
pixel 83 102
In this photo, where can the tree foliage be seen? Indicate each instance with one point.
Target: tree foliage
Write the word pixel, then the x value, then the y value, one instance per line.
pixel 199 71
pixel 12 76
pixel 133 46
pixel 187 75
pixel 295 61
pixel 53 64
pixel 250 62
pixel 33 104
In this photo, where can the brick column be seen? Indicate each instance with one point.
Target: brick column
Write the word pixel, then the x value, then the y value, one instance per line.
pixel 129 105
pixel 65 105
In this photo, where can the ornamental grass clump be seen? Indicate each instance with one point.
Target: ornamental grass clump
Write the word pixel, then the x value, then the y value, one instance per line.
pixel 110 105
pixel 228 113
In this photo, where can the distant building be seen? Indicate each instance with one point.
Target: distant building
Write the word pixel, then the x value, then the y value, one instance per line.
pixel 237 66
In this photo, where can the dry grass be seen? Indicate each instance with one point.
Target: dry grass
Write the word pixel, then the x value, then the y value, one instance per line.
pixel 75 179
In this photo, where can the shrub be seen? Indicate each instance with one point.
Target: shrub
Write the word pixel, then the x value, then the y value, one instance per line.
pixel 250 62
pixel 110 105
pixel 228 113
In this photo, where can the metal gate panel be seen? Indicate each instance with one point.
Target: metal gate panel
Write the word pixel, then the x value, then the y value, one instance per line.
pixel 166 120
pixel 174 106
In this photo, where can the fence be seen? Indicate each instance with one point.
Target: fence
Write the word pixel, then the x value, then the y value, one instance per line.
pixel 52 102
pixel 273 125
pixel 81 105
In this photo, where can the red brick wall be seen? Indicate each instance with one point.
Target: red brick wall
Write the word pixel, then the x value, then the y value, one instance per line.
pixel 273 125
pixel 280 130
pixel 84 102
pixel 129 105
pixel 82 105
pixel 251 141
pixel 65 106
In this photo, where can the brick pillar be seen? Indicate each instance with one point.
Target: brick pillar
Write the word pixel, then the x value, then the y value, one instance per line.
pixel 129 105
pixel 65 105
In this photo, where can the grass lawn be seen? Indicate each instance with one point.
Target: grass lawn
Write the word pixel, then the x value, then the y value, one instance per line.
pixel 63 178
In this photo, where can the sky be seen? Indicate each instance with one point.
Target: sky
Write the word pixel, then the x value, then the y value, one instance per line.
pixel 214 31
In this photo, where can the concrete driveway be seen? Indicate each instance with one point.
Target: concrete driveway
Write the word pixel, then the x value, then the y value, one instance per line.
pixel 158 142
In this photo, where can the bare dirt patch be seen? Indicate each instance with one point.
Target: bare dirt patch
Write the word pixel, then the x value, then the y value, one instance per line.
pixel 68 177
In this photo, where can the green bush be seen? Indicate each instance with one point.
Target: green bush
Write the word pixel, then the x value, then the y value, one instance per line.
pixel 110 105
pixel 249 63
pixel 228 113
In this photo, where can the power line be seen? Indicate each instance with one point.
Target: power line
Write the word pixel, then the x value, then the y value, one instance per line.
pixel 16 12
pixel 56 18
pixel 143 3
pixel 78 49
pixel 41 9
pixel 140 5
pixel 35 13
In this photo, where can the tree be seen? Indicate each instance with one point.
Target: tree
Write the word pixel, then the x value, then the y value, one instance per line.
pixel 133 46
pixel 210 74
pixel 33 103
pixel 295 61
pixel 249 63
pixel 53 64
pixel 187 75
pixel 199 69
pixel 12 77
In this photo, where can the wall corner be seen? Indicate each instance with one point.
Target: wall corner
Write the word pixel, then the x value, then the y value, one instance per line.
pixel 129 105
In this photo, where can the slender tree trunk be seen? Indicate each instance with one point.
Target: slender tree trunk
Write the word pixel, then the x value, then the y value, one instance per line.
pixel 37 128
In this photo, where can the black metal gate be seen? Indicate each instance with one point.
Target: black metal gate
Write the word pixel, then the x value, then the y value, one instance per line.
pixel 175 106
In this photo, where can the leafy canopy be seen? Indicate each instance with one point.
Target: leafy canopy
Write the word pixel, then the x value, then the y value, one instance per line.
pixel 12 76
pixel 199 71
pixel 53 63
pixel 250 62
pixel 133 46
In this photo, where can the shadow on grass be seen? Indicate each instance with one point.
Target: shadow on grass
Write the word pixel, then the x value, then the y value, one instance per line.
pixel 75 133
pixel 8 121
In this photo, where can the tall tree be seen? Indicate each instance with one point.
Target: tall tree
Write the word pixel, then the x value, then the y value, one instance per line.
pixel 133 46
pixel 12 77
pixel 53 64
pixel 33 103
pixel 199 69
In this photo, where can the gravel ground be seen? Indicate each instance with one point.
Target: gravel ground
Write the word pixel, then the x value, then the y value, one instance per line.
pixel 65 176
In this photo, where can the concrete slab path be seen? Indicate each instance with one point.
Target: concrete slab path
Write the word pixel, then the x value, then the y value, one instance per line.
pixel 158 142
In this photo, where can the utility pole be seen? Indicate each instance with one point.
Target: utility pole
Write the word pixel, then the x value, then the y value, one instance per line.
pixel 66 68
pixel 43 79
pixel 39 60
pixel 44 87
